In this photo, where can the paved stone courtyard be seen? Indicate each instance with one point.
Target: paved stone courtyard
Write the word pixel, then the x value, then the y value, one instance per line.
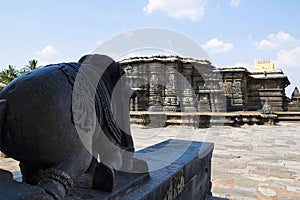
pixel 249 162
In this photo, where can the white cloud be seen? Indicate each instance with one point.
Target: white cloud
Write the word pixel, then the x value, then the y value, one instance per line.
pixel 265 44
pixel 286 46
pixel 191 9
pixel 277 41
pixel 47 55
pixel 217 46
pixel 47 52
pixel 235 3
pixel 289 58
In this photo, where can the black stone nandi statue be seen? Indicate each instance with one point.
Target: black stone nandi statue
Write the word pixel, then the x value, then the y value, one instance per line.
pixel 57 120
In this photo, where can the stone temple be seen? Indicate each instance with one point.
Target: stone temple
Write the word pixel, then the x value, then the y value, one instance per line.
pixel 173 83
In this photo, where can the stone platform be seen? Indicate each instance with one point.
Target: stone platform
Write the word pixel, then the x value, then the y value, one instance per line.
pixel 184 175
pixel 288 116
pixel 179 169
pixel 176 175
pixel 13 190
pixel 201 119
pixel 124 184
pixel 249 162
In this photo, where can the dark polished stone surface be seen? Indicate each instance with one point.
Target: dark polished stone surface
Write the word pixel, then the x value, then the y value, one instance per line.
pixel 187 177
pixel 12 190
pixel 125 183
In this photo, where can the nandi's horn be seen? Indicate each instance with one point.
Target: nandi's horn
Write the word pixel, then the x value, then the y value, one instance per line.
pixel 2 115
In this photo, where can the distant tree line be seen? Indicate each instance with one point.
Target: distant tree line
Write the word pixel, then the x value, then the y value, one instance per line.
pixel 9 74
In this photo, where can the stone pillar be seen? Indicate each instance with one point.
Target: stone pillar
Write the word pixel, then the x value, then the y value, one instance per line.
pixel 135 86
pixel 141 100
pixel 130 78
pixel 131 104
pixel 213 88
pixel 171 91
pixel 202 95
pixel 144 84
pixel 188 100
pixel 137 77
pixel 140 87
pixel 155 89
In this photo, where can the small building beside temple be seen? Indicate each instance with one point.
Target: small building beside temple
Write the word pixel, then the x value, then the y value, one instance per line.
pixel 294 104
pixel 173 83
pixel 249 90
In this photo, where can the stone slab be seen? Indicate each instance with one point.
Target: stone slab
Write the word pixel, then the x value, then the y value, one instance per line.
pixel 125 183
pixel 179 169
pixel 12 190
pixel 188 177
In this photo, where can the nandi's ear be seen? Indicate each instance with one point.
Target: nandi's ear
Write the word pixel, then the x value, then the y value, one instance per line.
pixel 101 61
pixel 116 72
pixel 98 63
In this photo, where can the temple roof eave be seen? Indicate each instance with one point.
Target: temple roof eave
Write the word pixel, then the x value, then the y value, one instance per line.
pixel 164 59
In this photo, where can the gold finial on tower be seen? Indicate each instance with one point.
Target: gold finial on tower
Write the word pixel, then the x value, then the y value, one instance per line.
pixel 264 65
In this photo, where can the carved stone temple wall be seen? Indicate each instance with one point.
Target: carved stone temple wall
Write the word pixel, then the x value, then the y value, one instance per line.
pixel 234 82
pixel 173 83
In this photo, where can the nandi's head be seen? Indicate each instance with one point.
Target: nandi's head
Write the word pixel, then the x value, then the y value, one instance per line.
pixel 111 72
pixel 110 76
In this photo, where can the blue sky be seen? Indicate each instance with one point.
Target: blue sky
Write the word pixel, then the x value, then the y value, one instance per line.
pixel 232 32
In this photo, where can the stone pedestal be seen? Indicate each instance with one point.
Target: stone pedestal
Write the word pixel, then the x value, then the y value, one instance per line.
pixel 183 175
pixel 12 190
pixel 125 183
pixel 188 177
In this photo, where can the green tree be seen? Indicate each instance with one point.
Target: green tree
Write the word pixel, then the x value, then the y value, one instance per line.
pixel 32 65
pixel 7 75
